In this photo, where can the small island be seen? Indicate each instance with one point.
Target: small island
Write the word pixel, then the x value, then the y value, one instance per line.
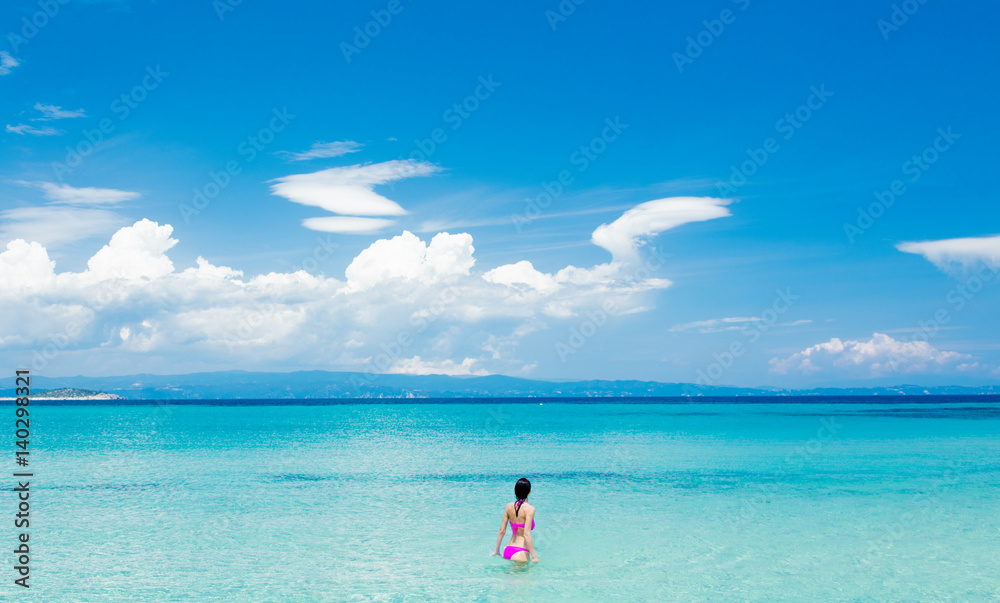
pixel 66 393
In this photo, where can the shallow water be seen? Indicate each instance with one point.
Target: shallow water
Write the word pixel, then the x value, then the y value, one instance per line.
pixel 818 499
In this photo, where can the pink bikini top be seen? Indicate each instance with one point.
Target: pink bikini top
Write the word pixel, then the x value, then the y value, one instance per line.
pixel 515 526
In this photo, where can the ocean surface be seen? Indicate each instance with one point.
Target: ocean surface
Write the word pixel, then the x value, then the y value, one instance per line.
pixel 768 499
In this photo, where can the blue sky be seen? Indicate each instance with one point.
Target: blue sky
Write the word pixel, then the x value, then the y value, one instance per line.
pixel 725 146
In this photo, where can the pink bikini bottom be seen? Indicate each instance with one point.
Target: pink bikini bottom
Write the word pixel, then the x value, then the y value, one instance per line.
pixel 510 551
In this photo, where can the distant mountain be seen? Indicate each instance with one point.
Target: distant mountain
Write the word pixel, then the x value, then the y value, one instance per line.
pixel 326 384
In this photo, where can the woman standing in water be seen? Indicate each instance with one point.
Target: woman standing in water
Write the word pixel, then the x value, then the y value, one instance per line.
pixel 521 516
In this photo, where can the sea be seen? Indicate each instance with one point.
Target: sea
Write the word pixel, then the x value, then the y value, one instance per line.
pixel 685 499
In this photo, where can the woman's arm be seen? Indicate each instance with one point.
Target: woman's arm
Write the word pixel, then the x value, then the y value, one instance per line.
pixel 503 530
pixel 528 521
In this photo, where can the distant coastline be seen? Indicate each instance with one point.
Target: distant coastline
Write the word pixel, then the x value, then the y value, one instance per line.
pixel 66 394
pixel 327 385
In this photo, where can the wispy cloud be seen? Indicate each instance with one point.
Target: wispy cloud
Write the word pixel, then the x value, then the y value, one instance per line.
pixel 23 129
pixel 439 225
pixel 734 323
pixel 964 252
pixel 64 193
pixel 347 224
pixel 50 112
pixel 7 62
pixel 72 214
pixel 623 236
pixel 349 191
pixel 53 225
pixel 323 150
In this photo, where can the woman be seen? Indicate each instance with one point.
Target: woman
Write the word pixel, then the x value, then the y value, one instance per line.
pixel 521 516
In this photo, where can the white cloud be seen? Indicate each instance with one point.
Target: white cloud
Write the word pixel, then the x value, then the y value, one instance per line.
pixel 132 308
pixel 322 150
pixel 347 224
pixel 624 236
pixel 138 251
pixel 407 257
pixel 417 366
pixel 50 112
pixel 23 129
pixel 56 225
pixel 7 62
pixel 349 190
pixel 73 214
pixel 25 266
pixel 734 323
pixel 522 273
pixel 875 357
pixel 63 193
pixel 965 252
pixel 712 325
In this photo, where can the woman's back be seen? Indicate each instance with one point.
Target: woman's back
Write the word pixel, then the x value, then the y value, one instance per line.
pixel 517 513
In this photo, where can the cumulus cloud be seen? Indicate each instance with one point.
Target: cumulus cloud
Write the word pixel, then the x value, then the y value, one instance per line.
pixel 135 252
pixel 417 366
pixel 522 273
pixel 323 150
pixel 23 129
pixel 50 112
pixel 949 254
pixel 623 236
pixel 349 191
pixel 25 266
pixel 403 305
pixel 880 355
pixel 7 62
pixel 406 257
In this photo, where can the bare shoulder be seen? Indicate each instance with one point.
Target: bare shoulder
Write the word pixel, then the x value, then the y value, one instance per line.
pixel 529 509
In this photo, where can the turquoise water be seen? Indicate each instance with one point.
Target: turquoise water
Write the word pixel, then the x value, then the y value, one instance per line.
pixel 402 502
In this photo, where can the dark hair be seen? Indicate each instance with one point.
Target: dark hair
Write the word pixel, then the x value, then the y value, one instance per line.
pixel 521 490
